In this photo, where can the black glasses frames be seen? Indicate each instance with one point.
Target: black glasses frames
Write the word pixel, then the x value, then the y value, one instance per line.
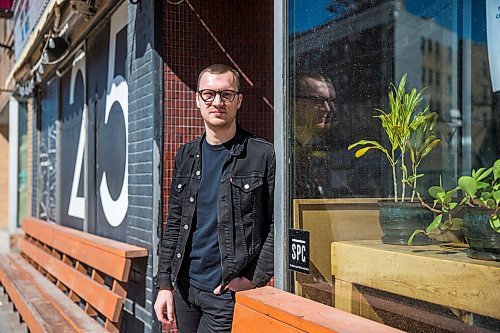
pixel 227 96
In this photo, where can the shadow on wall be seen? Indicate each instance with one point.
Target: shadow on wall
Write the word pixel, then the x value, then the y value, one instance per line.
pixel 239 34
pixel 136 298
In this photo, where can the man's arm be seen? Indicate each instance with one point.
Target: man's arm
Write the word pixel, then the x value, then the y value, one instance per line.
pixel 171 233
pixel 261 270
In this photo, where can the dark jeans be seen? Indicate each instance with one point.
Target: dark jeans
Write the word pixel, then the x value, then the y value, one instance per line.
pixel 199 311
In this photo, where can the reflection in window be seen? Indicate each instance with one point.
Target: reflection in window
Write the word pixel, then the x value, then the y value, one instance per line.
pixel 343 55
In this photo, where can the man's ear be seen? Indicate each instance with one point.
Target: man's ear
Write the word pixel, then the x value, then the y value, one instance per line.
pixel 198 100
pixel 240 99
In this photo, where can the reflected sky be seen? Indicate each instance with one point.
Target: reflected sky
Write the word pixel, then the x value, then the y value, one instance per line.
pixel 305 15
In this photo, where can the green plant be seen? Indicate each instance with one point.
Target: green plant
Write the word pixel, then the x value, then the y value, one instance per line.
pixel 408 130
pixel 480 189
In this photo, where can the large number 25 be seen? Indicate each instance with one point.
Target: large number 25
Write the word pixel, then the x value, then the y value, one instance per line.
pixel 114 210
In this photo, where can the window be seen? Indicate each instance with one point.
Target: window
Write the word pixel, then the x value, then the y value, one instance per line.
pixel 334 194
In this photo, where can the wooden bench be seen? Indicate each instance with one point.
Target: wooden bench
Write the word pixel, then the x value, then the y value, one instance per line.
pixel 65 280
pixel 441 275
pixel 271 310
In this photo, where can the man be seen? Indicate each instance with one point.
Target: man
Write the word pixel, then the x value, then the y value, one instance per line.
pixel 220 232
pixel 314 109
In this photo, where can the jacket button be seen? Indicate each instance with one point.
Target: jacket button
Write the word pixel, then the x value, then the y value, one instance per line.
pixel 197 155
pixel 191 199
pixel 246 186
pixel 179 255
pixel 198 172
pixel 186 226
pixel 179 186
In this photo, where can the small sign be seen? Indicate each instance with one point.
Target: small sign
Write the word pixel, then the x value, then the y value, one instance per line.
pixel 298 248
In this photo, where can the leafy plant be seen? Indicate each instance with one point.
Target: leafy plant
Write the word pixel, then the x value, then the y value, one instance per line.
pixel 407 130
pixel 481 189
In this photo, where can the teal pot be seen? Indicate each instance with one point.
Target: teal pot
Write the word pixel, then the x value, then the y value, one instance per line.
pixel 398 220
pixel 484 242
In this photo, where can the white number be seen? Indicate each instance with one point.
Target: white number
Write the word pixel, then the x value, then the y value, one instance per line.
pixel 116 210
pixel 77 204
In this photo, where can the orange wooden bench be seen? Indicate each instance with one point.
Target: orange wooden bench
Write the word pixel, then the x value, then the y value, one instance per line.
pixel 271 310
pixel 65 280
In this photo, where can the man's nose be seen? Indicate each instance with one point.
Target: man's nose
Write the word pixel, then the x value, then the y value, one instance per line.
pixel 217 100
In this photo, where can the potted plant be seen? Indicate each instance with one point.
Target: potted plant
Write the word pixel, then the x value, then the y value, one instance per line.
pixel 410 131
pixel 479 201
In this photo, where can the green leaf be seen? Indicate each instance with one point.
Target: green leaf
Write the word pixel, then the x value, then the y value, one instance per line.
pixel 453 205
pixel 495 222
pixel 416 232
pixel 362 151
pixel 468 185
pixel 484 174
pixel 457 224
pixel 496 169
pixel 490 203
pixel 496 196
pixel 434 224
pixel 434 191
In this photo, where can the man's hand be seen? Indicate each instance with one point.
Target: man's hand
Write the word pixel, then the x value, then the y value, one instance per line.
pixel 165 301
pixel 236 284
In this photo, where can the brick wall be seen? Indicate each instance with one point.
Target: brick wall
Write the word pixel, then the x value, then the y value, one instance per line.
pixel 145 120
pixel 199 33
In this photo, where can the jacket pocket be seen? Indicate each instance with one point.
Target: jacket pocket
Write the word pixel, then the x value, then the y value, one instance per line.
pixel 247 194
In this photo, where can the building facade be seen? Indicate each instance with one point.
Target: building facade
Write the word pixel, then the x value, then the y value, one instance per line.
pixel 101 94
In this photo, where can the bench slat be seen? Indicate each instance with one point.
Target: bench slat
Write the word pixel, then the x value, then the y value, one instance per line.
pixel 113 263
pixel 101 298
pixel 41 304
pixel 118 248
pixel 304 314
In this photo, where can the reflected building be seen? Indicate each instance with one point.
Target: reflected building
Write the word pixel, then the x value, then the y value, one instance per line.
pixel 362 51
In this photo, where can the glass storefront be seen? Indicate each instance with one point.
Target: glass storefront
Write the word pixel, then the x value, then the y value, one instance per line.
pixel 342 57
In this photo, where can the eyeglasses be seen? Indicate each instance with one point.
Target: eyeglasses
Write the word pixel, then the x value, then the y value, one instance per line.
pixel 208 95
pixel 317 99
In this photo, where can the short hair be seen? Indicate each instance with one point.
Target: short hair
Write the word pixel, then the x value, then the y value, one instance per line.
pixel 298 81
pixel 220 69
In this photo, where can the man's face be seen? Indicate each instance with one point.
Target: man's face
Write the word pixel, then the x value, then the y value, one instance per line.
pixel 218 114
pixel 315 103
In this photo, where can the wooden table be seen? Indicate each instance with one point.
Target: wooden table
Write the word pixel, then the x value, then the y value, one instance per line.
pixel 441 275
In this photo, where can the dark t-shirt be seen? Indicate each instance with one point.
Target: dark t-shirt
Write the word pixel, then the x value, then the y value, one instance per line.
pixel 203 266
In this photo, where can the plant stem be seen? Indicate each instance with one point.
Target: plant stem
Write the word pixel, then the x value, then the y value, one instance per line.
pixel 394 180
pixel 405 176
pixel 414 183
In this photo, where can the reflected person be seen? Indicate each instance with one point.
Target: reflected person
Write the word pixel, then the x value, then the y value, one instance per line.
pixel 314 110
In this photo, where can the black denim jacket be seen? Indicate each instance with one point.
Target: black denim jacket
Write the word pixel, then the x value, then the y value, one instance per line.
pixel 244 211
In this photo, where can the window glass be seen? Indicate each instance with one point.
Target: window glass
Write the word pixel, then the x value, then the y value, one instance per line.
pixel 47 152
pixel 342 59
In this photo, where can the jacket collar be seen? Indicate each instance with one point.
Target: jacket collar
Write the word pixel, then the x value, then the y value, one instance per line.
pixel 239 143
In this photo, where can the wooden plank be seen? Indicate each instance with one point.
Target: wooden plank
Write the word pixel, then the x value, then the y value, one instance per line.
pixel 108 262
pixel 101 298
pixel 34 226
pixel 305 314
pixel 246 320
pixel 329 220
pixel 41 304
pixel 440 275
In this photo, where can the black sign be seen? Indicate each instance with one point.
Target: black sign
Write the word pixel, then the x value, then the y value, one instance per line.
pixel 298 245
